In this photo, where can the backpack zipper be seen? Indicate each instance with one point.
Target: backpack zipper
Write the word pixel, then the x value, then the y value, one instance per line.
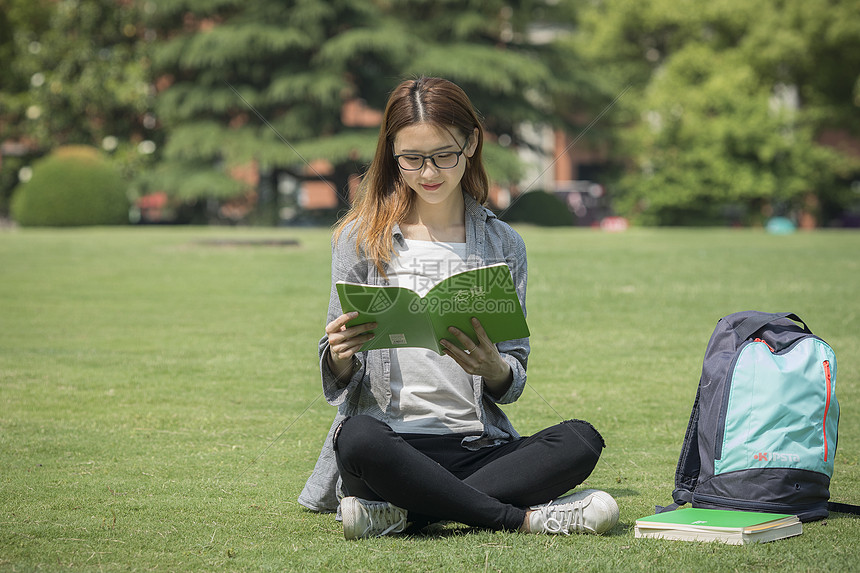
pixel 765 343
pixel 828 385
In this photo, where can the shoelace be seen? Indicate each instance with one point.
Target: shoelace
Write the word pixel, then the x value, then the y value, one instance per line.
pixel 562 518
pixel 380 514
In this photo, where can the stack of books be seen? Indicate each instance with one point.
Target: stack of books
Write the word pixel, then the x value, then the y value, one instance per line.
pixel 733 527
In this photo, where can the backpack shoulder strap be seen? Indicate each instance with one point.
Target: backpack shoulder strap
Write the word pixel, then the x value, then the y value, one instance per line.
pixel 689 463
pixel 665 508
pixel 843 507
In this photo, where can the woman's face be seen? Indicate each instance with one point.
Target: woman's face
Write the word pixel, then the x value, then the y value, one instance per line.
pixel 433 185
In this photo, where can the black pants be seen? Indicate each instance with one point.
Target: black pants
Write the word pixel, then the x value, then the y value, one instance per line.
pixel 434 478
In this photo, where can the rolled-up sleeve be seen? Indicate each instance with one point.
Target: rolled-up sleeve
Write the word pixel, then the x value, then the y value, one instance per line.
pixel 346 265
pixel 515 352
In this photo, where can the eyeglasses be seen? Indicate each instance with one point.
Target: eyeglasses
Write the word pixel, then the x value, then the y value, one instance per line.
pixel 441 160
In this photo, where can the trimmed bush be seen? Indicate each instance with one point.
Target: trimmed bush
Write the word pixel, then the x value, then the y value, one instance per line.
pixel 538 208
pixel 74 186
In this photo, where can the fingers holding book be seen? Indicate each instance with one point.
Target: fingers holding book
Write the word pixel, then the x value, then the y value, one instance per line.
pixel 479 358
pixel 344 341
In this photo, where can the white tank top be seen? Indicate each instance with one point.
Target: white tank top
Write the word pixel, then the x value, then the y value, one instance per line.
pixel 430 394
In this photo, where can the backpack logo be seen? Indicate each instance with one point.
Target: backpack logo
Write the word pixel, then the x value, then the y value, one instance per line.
pixel 776 457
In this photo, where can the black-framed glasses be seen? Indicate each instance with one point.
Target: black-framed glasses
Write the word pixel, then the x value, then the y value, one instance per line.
pixel 441 160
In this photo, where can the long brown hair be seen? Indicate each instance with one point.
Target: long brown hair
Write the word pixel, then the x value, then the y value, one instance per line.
pixel 384 198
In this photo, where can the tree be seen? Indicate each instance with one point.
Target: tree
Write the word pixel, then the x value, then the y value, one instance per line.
pixel 266 82
pixel 87 72
pixel 20 20
pixel 729 103
pixel 16 16
pixel 77 74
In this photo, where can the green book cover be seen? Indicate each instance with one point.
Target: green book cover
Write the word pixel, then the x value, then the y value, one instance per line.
pixel 722 518
pixel 733 527
pixel 406 319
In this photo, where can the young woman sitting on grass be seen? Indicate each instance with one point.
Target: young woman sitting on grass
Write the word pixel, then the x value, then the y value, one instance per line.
pixel 420 437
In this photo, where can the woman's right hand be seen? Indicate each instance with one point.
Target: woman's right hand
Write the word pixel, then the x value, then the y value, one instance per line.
pixel 344 341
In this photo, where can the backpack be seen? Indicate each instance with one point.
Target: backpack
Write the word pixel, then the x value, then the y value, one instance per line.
pixel 762 434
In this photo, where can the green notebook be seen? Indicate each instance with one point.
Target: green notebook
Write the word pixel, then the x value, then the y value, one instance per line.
pixel 734 527
pixel 406 319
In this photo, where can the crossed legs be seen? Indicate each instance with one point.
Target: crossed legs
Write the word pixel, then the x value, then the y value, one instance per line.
pixel 435 478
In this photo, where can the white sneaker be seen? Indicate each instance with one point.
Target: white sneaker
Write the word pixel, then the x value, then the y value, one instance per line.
pixel 588 511
pixel 363 518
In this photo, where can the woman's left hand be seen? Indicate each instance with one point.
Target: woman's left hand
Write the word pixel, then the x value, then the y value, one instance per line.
pixel 480 358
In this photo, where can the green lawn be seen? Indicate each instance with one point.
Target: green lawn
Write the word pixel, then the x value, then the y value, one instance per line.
pixel 159 395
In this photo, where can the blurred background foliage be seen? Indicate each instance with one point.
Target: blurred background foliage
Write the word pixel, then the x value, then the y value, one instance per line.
pixel 734 104
pixel 730 111
pixel 73 186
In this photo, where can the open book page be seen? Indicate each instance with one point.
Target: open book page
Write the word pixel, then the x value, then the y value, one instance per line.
pixel 486 293
pixel 406 319
pixel 398 312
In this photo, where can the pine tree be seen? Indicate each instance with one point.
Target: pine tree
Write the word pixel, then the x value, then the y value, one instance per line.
pixel 266 82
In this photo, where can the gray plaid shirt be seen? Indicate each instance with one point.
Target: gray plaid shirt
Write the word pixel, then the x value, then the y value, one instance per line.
pixel 368 391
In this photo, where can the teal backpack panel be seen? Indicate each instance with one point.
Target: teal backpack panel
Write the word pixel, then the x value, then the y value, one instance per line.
pixel 781 409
